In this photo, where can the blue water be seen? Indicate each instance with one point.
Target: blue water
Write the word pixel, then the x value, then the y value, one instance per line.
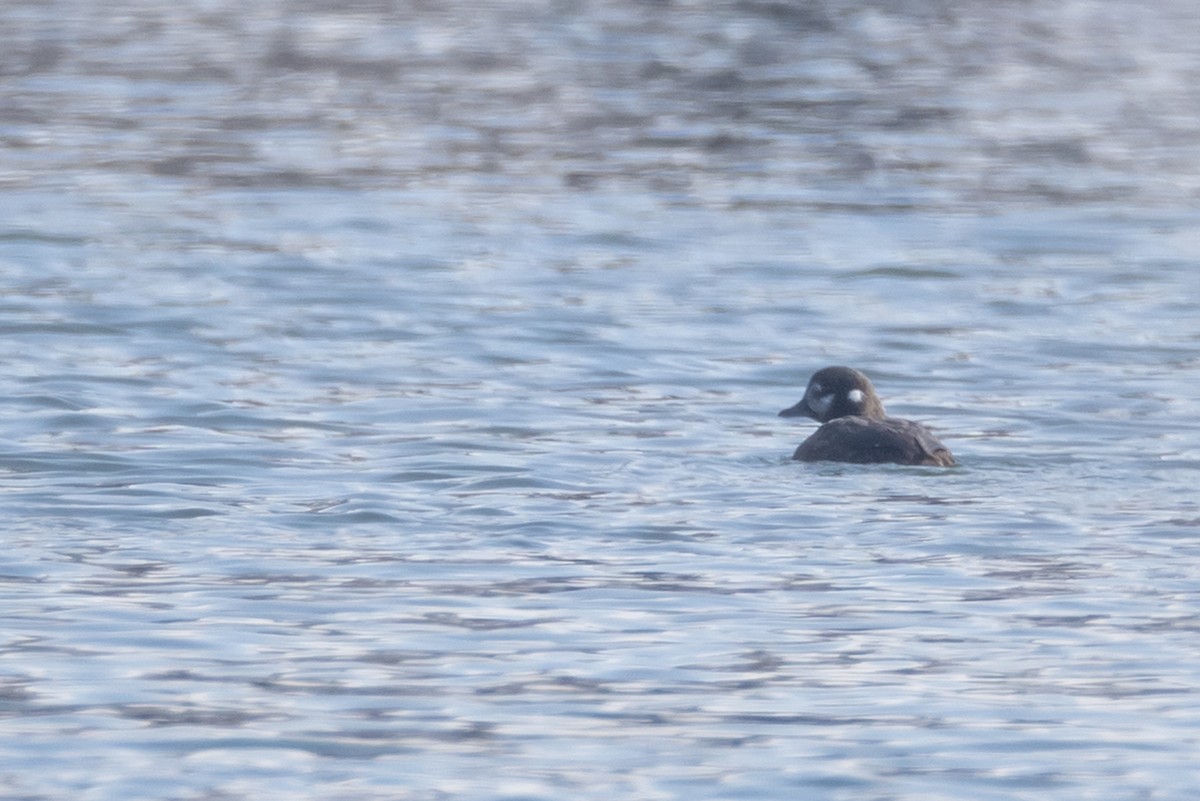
pixel 389 401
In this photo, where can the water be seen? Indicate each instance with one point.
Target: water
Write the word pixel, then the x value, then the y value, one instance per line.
pixel 389 400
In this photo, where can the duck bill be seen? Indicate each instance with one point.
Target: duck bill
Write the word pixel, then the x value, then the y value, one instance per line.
pixel 801 409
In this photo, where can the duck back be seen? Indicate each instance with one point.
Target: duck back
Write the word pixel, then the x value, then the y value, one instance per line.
pixel 862 440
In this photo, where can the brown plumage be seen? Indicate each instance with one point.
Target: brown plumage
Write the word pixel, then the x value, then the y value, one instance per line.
pixel 856 428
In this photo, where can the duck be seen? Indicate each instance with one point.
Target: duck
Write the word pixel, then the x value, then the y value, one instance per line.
pixel 856 429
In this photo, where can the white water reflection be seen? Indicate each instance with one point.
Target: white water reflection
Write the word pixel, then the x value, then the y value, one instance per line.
pixel 390 401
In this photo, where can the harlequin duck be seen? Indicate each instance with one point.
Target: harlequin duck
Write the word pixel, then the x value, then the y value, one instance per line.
pixel 856 428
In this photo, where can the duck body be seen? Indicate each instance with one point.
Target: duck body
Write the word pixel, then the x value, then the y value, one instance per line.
pixel 856 429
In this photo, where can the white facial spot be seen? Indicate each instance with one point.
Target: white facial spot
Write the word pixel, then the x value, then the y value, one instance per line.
pixel 822 404
pixel 856 396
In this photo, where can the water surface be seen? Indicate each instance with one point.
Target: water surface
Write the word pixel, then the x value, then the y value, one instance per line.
pixel 389 403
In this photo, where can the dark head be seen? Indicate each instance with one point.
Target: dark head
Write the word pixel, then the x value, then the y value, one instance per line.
pixel 837 392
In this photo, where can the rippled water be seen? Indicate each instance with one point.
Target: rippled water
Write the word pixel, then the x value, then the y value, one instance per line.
pixel 390 388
